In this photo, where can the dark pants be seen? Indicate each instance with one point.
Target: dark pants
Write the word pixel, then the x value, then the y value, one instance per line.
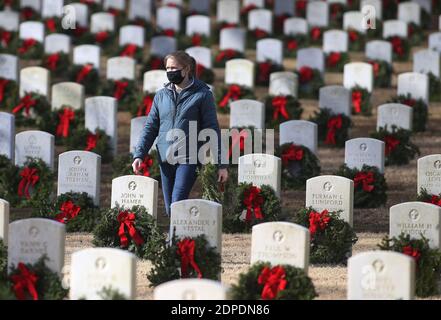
pixel 177 181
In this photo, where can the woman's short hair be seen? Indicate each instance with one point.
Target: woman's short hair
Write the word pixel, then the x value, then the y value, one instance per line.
pixel 184 59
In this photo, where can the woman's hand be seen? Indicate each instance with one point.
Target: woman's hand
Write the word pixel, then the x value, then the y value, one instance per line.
pixel 223 175
pixel 136 165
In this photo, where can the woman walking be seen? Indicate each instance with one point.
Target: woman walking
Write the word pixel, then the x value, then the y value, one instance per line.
pixel 183 99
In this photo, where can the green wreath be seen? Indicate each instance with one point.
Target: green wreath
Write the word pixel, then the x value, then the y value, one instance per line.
pixel 434 87
pixel 316 36
pixel 294 42
pixel 419 114
pixel 122 166
pixel 263 71
pixel 153 63
pixel 255 35
pixel 204 74
pixel 427 260
pixel 76 210
pixel 425 196
pixel 80 35
pixel 281 108
pixel 168 266
pixel 357 40
pixel 399 150
pixel 56 63
pixel 9 45
pixel 28 51
pixel 29 14
pixel 53 25
pixel 9 94
pixel 80 138
pixel 12 4
pixel 335 61
pixel 336 11
pixel 225 94
pixel 310 82
pixel 224 55
pixel 415 34
pixel 90 80
pixel 8 180
pixel 298 165
pixel 298 286
pixel 145 237
pixel 127 96
pixel 35 103
pixel 196 40
pixel 369 186
pixel 400 47
pixel 333 130
pixel 143 106
pixel 382 73
pixel 332 238
pixel 131 51
pixel 361 99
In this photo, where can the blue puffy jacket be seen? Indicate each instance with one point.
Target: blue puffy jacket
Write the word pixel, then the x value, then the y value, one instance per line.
pixel 194 103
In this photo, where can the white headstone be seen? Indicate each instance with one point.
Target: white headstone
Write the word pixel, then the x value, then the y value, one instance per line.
pixel 429 174
pixel 393 28
pixel 67 94
pixel 358 74
pixel 353 20
pixel 81 13
pixel 190 289
pixel 239 71
pixel 360 151
pixel 335 98
pixel 52 8
pixel 7 135
pixel 87 54
pixel 141 9
pixel 30 239
pixel 295 25
pixel 394 114
pixel 415 84
pixel 35 144
pixel 9 20
pixel 317 13
pixel 228 11
pixel 168 18
pixel 283 83
pixel 270 49
pixel 56 42
pixel 198 24
pixel 34 79
pixel 427 61
pixel 80 171
pixel 131 35
pixel 8 67
pixel 260 19
pixel 4 221
pixel 335 41
pixel 154 80
pixel 119 68
pixel 102 21
pixel 379 50
pixel 409 12
pixel 202 56
pixel 232 38
pixel 311 57
pixel 247 113
pixel 162 45
pixel 299 132
pixel 32 30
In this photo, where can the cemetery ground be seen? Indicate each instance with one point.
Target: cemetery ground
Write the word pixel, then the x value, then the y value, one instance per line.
pixel 371 225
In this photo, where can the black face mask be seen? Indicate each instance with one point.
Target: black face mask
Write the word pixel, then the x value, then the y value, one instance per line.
pixel 175 77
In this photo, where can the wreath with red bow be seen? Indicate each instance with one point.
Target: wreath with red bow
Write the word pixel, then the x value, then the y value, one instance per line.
pixel 398 148
pixel 294 42
pixel 382 73
pixel 8 94
pixel 153 63
pixel 185 258
pixel 53 25
pixel 195 40
pixel 204 74
pixel 134 230
pixel 86 75
pixel 279 22
pixel 263 281
pixel 316 35
pixel 132 51
pixel 8 41
pixel 420 111
pixel 333 129
pixel 224 55
pixel 166 32
pixel 105 39
pixel 11 4
pixel 29 14
pixel 255 35
pixel 310 82
pixel 336 11
pixel 253 205
pixel 434 87
pixel 31 110
pixel 122 166
pixel 369 186
pixel 335 61
pixel 357 40
pixel 298 165
pixel 98 142
pixel 124 91
pixel 263 71
pixel 226 94
pixel 29 49
pixel 332 238
pixel 425 196
pixel 80 35
pixel 280 109
pixel 144 105
pixel 400 48
pixel 427 260
pixel 76 210
pixel 361 101
pixel 301 8
pixel 32 282
pixel 56 63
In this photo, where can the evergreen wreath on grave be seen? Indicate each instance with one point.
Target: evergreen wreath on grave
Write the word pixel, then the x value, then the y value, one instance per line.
pixel 185 258
pixel 56 63
pixel 280 109
pixel 415 33
pixel 369 186
pixel 33 282
pixel 204 74
pixel 76 210
pixel 8 41
pixel 335 61
pixel 298 165
pixel 53 25
pixel 420 112
pixel 301 8
pixel 226 94
pixel 382 73
pixel 124 91
pixel 336 11
pixel 132 51
pixel 263 281
pixel 224 55
pixel 255 35
pixel 332 238
pixel 333 130
pixel 310 82
pixel 80 35
pixel 29 49
pixel 8 180
pixel 294 42
pixel 254 205
pixel 144 105
pixel 11 4
pixel 153 63
pixel 195 40
pixel 263 71
pixel 357 40
pixel 63 122
pixel 398 149
pixel 8 94
pixel 98 142
pixel 279 22
pixel 361 101
pixel 316 35
pixel 166 32
pixel 29 14
pixel 31 110
pixel 427 260
pixel 105 39
pixel 88 76
pixel 434 87
pixel 134 230
pixel 400 48
pixel 122 166
pixel 425 196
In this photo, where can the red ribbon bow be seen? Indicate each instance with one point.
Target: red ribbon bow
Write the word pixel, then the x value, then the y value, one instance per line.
pixel 356 100
pixel 129 50
pixel 300 6
pixel 375 67
pixel 52 61
pixel 92 140
pixel 273 281
pixel 234 93
pixel 397 46
pixel 253 200
pixel 169 32
pixel 316 33
pixel 334 124
pixel 101 36
pixel 335 10
pixel 238 138
pixel 196 40
pixel 127 219
pixel 353 36
pixel 155 64
pixel 225 54
pixel 84 72
pixel 292 153
pixel 306 74
pixel 264 71
pixel 435 200
pixel 279 107
pixel 27 45
pixel 146 164
pixel 26 102
pixel 318 221
pixel 68 211
pixel 366 179
pixel 29 176
pixel 5 38
pixel 79 31
pixel 27 13
pixel 259 33
pixel 186 248
pixel 292 45
pixel 333 59
pixel 3 84
pixel 391 143
pixel 409 102
pixel 50 24
pixel 65 117
pixel 25 281
pixel 145 107
pixel 414 253
pixel 120 89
